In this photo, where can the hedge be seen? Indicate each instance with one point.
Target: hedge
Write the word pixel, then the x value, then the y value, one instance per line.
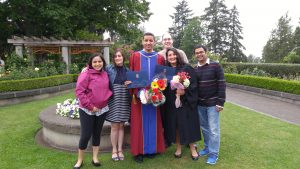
pixel 265 83
pixel 35 83
pixel 254 81
pixel 274 69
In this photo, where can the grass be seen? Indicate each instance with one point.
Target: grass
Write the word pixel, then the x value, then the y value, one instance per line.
pixel 248 140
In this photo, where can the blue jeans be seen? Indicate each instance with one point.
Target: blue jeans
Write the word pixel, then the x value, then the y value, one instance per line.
pixel 210 126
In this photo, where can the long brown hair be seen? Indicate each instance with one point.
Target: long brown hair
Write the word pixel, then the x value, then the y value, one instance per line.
pixel 179 60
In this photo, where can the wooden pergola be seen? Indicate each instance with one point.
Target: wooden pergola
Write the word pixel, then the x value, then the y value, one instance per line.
pixel 60 46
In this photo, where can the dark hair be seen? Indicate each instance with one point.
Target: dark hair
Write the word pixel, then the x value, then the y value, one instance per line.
pixel 93 56
pixel 179 60
pixel 116 51
pixel 200 46
pixel 149 34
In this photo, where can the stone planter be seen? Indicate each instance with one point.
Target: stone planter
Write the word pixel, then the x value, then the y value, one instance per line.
pixel 64 133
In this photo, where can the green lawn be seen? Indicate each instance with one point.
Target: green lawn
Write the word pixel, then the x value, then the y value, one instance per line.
pixel 248 140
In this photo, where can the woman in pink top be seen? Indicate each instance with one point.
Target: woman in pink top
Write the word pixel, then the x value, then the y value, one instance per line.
pixel 93 92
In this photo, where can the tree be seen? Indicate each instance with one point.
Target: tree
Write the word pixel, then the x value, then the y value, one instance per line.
pixel 192 35
pixel 70 18
pixel 252 59
pixel 6 30
pixel 180 19
pixel 296 40
pixel 292 57
pixel 216 22
pixel 280 42
pixel 235 53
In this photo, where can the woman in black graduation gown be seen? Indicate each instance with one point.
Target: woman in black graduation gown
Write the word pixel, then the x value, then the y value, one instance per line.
pixel 182 124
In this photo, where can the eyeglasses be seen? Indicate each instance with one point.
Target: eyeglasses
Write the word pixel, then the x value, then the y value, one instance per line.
pixel 201 52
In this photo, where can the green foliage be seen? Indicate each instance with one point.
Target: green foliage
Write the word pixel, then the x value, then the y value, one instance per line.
pixel 283 71
pixel 252 59
pixel 35 83
pixel 23 71
pixel 87 19
pixel 230 68
pixel 216 57
pixel 86 35
pixel 265 83
pixel 292 57
pixel 6 30
pixel 296 40
pixel 15 62
pixel 128 42
pixel 235 53
pixel 193 35
pixel 180 20
pixel 254 72
pixel 216 22
pixel 280 42
pixel 75 69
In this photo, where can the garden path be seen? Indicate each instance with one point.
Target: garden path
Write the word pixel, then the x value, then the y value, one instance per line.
pixel 275 108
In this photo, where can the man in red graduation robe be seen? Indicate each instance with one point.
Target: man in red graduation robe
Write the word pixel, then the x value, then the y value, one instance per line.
pixel 146 132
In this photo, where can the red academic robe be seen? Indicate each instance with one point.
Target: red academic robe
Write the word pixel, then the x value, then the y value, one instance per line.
pixel 146 131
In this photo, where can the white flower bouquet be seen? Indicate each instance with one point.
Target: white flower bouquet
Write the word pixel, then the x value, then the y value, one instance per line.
pixel 69 108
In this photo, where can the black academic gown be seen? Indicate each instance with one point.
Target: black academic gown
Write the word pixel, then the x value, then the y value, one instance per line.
pixel 185 118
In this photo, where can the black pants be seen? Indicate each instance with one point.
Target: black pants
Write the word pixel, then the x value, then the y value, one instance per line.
pixel 90 126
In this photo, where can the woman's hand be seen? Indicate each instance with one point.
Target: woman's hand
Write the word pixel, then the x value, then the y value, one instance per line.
pixel 127 82
pixel 84 69
pixel 180 92
pixel 95 109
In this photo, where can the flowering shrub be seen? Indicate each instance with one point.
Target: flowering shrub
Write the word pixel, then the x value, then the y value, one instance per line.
pixel 69 108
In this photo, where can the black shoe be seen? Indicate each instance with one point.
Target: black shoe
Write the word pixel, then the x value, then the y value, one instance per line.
pixel 195 158
pixel 138 158
pixel 177 155
pixel 150 155
pixel 97 164
pixel 167 144
pixel 78 166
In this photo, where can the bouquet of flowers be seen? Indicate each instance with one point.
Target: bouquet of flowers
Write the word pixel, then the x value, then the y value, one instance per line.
pixel 69 108
pixel 180 81
pixel 154 94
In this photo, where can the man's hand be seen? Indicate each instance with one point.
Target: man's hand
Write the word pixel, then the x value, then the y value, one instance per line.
pixel 219 108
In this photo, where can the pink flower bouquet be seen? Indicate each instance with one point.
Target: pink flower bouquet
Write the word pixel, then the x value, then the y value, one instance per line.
pixel 180 81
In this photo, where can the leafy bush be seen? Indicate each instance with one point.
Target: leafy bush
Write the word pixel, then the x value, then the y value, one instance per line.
pixel 255 72
pixel 265 83
pixel 230 69
pixel 283 71
pixel 15 61
pixel 292 57
pixel 35 83
pixel 74 69
pixel 47 68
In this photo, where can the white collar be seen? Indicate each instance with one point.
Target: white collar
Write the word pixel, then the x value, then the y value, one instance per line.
pixel 207 62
